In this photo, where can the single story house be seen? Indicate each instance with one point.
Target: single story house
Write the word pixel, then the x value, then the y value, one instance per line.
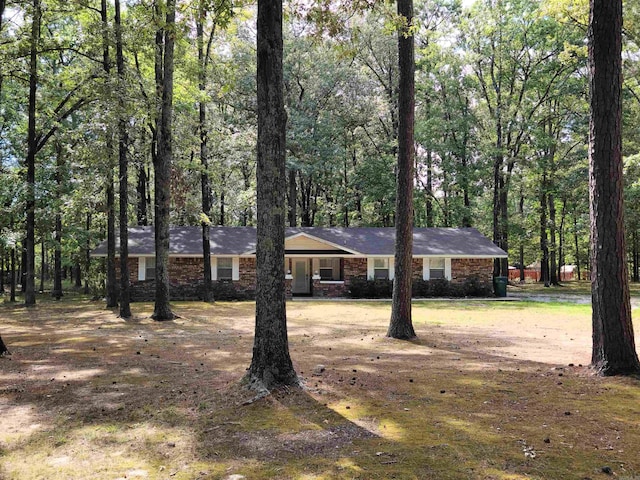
pixel 319 261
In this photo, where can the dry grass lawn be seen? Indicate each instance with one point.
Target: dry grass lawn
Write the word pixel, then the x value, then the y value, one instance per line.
pixel 490 390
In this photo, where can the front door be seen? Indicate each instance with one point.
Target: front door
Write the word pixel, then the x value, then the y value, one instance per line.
pixel 300 283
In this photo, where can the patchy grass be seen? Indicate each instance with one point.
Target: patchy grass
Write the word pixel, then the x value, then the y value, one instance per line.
pixel 573 287
pixel 489 390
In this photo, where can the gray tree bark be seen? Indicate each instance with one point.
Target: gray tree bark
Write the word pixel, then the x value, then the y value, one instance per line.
pixel 112 286
pixel 57 262
pixel 30 288
pixel 271 364
pixel 205 184
pixel 162 169
pixel 123 172
pixel 401 325
pixel 614 349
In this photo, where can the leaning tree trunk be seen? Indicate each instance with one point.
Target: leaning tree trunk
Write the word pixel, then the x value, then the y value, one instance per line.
pixel 162 309
pixel 401 325
pixel 123 170
pixel 614 349
pixel 271 364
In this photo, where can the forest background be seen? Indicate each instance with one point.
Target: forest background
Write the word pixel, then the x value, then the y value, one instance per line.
pixel 501 121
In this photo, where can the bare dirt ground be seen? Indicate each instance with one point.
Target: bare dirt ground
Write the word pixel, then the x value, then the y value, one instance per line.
pixel 488 391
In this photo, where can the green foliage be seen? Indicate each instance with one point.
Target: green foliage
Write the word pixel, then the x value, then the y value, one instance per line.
pixel 524 56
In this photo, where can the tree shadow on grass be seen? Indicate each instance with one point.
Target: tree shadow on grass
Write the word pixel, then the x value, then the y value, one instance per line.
pixel 103 398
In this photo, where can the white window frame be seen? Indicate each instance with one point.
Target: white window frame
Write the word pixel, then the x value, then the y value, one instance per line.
pixel 334 266
pixel 228 266
pixel 371 268
pixel 235 268
pixel 142 268
pixel 426 268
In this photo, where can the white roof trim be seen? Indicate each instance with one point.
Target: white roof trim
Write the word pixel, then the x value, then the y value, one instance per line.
pixel 317 239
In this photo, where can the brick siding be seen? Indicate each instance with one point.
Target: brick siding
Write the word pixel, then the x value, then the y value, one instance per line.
pixel 186 282
pixel 464 268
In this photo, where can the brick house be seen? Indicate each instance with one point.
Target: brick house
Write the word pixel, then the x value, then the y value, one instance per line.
pixel 319 261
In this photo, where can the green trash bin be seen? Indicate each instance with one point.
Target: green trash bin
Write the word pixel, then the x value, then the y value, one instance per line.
pixel 500 286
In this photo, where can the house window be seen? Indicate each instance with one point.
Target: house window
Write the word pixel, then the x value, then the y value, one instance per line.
pixel 150 268
pixel 436 268
pixel 328 270
pixel 381 268
pixel 225 268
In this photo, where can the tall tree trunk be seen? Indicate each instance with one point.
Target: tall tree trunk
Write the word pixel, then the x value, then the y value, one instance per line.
pixel 205 184
pixel 446 214
pixel 345 189
pixel 23 264
pixel 497 179
pixel 521 261
pixel 292 197
pixel 162 309
pixel 223 178
pixel 3 268
pixel 29 283
pixel 562 239
pixel 553 251
pixel 112 285
pixel 401 325
pixel 87 255
pixel 141 191
pixel 614 349
pixel 358 193
pixel 576 245
pixel 504 223
pixel 429 192
pixel 57 255
pixel 43 263
pixel 246 213
pixel 636 257
pixel 544 241
pixel 78 275
pixel 123 173
pixel 271 364
pixel 467 221
pixel 12 286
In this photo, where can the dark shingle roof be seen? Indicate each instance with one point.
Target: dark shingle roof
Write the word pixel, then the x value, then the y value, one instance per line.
pixel 360 240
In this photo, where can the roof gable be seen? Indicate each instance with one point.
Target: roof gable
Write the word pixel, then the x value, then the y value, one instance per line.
pixel 304 241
